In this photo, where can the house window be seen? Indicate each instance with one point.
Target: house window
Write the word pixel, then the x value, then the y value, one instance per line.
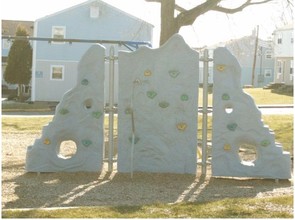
pixel 267 73
pixel 291 70
pixel 280 38
pixel 57 72
pixel 58 32
pixel 268 54
pixel 5 43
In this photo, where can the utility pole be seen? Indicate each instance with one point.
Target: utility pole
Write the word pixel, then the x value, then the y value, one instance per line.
pixel 255 54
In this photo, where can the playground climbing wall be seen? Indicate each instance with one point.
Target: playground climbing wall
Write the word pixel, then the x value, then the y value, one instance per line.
pixel 78 118
pixel 157 118
pixel 158 94
pixel 236 122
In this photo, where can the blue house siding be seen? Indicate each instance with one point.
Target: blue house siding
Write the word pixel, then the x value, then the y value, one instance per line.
pixel 54 89
pixel 111 24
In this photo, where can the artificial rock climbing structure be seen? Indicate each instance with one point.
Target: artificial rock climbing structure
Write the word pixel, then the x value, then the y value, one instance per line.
pixel 78 118
pixel 236 122
pixel 157 118
pixel 158 99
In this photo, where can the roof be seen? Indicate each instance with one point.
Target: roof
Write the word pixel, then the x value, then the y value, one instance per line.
pixel 9 27
pixel 285 28
pixel 100 2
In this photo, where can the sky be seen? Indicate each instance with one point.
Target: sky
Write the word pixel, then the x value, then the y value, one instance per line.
pixel 208 29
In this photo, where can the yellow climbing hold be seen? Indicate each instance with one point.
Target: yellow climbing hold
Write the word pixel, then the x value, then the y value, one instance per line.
pixel 181 126
pixel 147 73
pixel 46 141
pixel 227 147
pixel 220 67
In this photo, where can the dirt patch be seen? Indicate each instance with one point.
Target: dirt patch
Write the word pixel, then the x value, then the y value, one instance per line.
pixel 33 190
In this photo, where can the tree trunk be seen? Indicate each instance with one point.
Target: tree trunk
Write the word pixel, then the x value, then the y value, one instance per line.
pixel 169 26
pixel 20 93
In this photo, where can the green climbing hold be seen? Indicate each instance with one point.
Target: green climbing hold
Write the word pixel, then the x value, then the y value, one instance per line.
pixel 164 104
pixel 225 97
pixel 151 94
pixel 63 111
pixel 174 73
pixel 136 139
pixel 184 97
pixel 86 142
pixel 232 127
pixel 96 114
pixel 84 82
pixel 128 111
pixel 265 143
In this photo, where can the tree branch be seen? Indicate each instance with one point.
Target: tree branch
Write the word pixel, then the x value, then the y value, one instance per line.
pixel 179 8
pixel 188 17
pixel 160 1
pixel 240 8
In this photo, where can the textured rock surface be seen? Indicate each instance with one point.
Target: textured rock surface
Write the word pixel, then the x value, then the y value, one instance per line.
pixel 78 118
pixel 160 86
pixel 236 122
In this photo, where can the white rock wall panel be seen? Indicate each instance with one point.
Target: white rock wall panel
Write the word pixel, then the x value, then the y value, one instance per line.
pixel 160 86
pixel 79 118
pixel 237 121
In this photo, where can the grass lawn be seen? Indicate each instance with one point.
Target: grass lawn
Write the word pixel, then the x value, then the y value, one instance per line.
pixel 227 208
pixel 260 96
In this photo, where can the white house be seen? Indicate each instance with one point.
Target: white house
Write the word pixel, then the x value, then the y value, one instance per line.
pixel 55 63
pixel 283 54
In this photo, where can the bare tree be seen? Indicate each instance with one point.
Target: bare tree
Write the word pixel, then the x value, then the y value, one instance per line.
pixel 171 24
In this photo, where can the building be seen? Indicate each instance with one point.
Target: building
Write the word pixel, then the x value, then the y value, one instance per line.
pixel 9 28
pixel 55 63
pixel 283 55
pixel 244 50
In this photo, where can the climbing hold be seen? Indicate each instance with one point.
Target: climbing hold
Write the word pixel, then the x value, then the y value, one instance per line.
pixel 147 73
pixel 96 114
pixel 63 111
pixel 225 97
pixel 227 147
pixel 84 82
pixel 136 139
pixel 128 111
pixel 151 94
pixel 164 104
pixel 174 73
pixel 220 67
pixel 47 141
pixel 86 142
pixel 232 126
pixel 184 97
pixel 181 126
pixel 265 143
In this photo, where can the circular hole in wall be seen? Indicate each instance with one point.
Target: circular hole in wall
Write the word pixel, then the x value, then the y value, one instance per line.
pixel 228 109
pixel 67 149
pixel 88 103
pixel 247 153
